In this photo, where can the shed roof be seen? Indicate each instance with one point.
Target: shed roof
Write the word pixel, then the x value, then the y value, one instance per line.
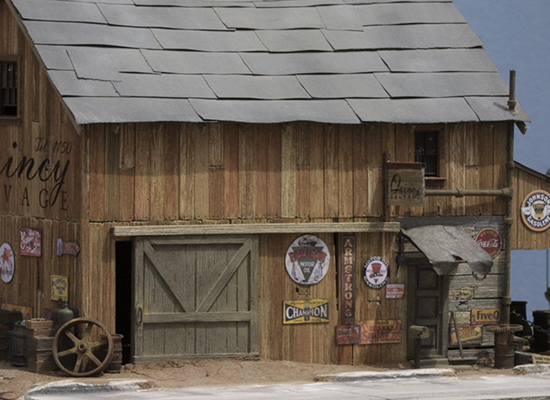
pixel 333 61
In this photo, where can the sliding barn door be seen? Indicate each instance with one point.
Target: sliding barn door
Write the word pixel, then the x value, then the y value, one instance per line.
pixel 195 297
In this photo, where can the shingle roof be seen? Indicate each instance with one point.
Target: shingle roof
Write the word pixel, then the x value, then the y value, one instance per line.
pixel 334 61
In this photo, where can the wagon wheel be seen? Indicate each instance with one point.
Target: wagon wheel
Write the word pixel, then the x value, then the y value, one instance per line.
pixel 83 347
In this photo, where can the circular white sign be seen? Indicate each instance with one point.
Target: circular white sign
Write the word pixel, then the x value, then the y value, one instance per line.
pixel 376 272
pixel 307 260
pixel 7 262
pixel 535 211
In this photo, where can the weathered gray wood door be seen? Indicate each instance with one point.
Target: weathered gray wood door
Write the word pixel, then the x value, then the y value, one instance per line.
pixel 195 297
pixel 428 306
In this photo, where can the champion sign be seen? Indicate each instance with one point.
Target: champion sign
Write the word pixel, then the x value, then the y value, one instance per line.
pixel 306 311
pixel 535 211
pixel 307 260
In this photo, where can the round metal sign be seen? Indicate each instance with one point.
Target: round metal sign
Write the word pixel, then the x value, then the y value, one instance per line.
pixel 490 241
pixel 307 260
pixel 376 272
pixel 535 210
pixel 7 262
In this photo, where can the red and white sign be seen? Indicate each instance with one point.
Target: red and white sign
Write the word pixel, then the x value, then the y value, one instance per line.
pixel 376 272
pixel 490 241
pixel 395 291
pixel 307 260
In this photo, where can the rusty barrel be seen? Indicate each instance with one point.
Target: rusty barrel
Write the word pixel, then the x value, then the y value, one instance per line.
pixel 504 344
pixel 115 365
pixel 4 329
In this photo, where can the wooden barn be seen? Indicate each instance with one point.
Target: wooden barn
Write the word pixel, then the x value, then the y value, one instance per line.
pixel 293 180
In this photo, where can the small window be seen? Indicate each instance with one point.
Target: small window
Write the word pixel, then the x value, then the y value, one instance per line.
pixel 426 151
pixel 8 89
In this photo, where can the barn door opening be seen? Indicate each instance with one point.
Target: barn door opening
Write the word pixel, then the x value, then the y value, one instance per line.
pixel 124 297
pixel 195 297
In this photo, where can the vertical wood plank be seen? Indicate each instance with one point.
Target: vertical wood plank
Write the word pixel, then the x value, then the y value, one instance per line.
pixel 288 174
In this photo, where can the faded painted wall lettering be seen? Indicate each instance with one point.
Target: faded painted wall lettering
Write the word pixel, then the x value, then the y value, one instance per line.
pixel 31 169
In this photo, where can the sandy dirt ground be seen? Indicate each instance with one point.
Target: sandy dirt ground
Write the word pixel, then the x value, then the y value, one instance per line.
pixel 16 381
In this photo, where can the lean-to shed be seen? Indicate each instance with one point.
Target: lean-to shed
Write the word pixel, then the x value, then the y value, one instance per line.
pixel 223 168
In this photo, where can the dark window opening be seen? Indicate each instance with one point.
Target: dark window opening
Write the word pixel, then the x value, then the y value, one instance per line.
pixel 8 89
pixel 426 151
pixel 124 302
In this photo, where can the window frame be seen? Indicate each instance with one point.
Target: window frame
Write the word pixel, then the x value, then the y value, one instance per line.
pixel 8 118
pixel 438 177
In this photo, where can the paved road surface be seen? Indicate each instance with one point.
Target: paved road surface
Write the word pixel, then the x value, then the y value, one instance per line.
pixel 536 386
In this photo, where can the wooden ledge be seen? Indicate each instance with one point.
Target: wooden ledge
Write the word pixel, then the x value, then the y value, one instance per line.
pixel 249 229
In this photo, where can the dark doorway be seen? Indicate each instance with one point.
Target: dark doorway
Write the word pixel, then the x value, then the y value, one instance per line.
pixel 124 297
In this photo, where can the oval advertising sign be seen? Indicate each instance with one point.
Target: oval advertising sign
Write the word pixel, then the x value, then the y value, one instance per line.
pixel 376 272
pixel 490 241
pixel 535 210
pixel 307 260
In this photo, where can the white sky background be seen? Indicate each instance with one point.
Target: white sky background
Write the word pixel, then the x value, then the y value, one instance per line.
pixel 516 34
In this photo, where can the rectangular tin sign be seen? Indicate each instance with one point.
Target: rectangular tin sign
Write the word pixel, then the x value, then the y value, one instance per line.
pixel 348 280
pixel 306 311
pixel 485 316
pixel 381 331
pixel 405 184
pixel 348 334
pixel 395 291
pixel 469 335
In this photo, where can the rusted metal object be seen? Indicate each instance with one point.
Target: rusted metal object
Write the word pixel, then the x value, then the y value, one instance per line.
pixel 418 333
pixel 504 344
pixel 83 347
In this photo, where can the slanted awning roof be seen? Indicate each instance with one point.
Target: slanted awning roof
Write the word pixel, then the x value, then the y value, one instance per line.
pixel 254 61
pixel 447 246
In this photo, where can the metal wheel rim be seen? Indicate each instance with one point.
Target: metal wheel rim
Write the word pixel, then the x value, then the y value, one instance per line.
pixel 84 349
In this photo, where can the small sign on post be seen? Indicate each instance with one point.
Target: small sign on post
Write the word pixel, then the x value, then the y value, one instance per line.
pixel 405 184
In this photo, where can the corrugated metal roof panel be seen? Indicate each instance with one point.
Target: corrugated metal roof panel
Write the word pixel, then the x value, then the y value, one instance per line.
pixel 162 17
pixel 274 18
pixel 185 62
pixel 443 84
pixel 69 85
pixel 294 41
pixel 256 87
pixel 91 110
pixel 93 65
pixel 408 13
pixel 340 18
pixel 164 85
pixel 416 111
pixel 342 86
pixel 405 37
pixel 443 60
pixel 329 111
pixel 65 33
pixel 44 10
pixel 209 41
pixel 311 63
pixel 496 109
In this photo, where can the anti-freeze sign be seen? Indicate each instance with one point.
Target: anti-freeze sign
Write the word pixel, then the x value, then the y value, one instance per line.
pixel 376 272
pixel 307 260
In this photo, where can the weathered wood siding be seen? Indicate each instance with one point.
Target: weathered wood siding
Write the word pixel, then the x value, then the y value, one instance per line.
pixel 524 238
pixel 195 173
pixel 36 192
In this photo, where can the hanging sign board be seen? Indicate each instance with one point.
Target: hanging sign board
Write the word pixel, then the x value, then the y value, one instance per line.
pixel 381 331
pixel 376 272
pixel 348 280
pixel 490 241
pixel 307 260
pixel 405 184
pixel 535 210
pixel 306 311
